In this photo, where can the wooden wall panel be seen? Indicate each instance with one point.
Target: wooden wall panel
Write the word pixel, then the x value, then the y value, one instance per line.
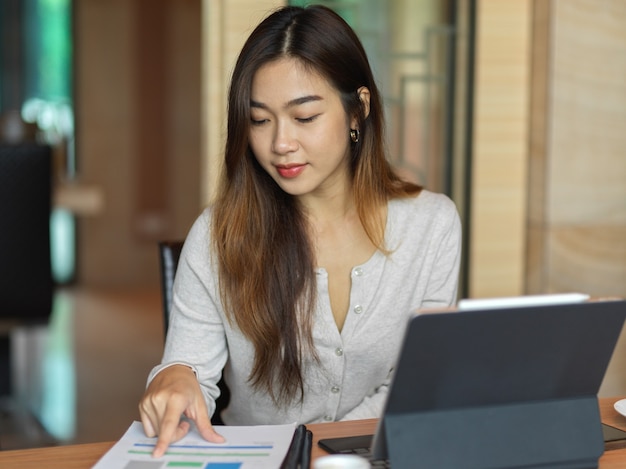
pixel 226 26
pixel 536 239
pixel 577 194
pixel 118 139
pixel 105 137
pixel 184 122
pixel 138 138
pixel 585 205
pixel 151 64
pixel 573 237
pixel 499 178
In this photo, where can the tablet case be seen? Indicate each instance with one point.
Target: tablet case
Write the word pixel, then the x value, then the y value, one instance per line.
pixel 501 388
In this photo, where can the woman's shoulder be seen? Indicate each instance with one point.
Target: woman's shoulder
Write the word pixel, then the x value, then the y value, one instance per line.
pixel 426 214
pixel 201 225
pixel 198 236
pixel 424 203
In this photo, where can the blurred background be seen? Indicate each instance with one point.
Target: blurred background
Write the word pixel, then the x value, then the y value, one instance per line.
pixel 516 109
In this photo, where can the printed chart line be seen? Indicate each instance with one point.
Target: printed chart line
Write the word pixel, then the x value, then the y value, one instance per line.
pixel 203 454
pixel 228 447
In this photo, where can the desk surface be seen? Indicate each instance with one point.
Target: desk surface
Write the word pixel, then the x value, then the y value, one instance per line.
pixel 86 455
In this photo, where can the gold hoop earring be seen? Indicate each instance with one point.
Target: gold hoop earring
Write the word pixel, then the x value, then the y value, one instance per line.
pixel 354 135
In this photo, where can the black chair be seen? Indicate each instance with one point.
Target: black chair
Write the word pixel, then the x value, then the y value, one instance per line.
pixel 26 282
pixel 169 253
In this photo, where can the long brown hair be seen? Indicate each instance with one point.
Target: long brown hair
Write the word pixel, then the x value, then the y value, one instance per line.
pixel 266 262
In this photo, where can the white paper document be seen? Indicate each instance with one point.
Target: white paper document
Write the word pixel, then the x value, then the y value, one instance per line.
pixel 262 446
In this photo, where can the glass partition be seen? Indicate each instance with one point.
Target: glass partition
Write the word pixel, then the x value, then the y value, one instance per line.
pixel 421 52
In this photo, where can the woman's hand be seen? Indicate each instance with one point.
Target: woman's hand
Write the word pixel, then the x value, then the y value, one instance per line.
pixel 173 392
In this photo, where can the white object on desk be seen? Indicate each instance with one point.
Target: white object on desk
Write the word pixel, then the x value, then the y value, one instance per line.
pixel 522 301
pixel 341 461
pixel 620 406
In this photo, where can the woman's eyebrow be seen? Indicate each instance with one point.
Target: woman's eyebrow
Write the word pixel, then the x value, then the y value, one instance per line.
pixel 291 103
pixel 303 100
pixel 257 104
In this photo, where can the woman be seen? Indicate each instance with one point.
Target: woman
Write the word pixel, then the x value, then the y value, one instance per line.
pixel 298 281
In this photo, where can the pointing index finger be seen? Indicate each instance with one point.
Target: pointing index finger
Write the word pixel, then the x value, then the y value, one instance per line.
pixel 172 429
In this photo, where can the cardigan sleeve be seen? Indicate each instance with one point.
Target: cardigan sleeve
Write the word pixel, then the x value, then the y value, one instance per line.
pixel 196 336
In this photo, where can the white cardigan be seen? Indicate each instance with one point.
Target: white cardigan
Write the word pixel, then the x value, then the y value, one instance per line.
pixel 352 378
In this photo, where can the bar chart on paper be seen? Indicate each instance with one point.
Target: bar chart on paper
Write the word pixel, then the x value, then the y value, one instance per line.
pixel 262 446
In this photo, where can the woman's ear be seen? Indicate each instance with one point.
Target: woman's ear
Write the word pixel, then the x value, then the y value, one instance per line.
pixel 364 96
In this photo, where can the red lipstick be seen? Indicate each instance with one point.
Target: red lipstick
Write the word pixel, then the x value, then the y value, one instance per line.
pixel 291 170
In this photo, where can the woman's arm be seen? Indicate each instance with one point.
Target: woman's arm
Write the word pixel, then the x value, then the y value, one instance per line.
pixel 442 287
pixel 195 351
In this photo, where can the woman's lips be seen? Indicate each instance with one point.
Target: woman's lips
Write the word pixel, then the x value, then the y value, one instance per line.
pixel 290 171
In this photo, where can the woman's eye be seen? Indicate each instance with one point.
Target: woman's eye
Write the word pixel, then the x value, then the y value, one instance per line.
pixel 305 120
pixel 258 121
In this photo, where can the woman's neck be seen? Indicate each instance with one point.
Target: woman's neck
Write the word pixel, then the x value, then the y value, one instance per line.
pixel 329 209
pixel 333 218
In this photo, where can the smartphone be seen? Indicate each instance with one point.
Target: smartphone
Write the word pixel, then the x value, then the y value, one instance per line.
pixel 346 444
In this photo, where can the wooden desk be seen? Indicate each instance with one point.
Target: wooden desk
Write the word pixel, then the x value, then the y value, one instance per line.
pixel 86 455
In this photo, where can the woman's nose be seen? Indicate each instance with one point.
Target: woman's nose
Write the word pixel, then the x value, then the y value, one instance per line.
pixel 284 140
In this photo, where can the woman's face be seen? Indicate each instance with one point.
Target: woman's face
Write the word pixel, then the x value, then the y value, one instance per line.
pixel 299 129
